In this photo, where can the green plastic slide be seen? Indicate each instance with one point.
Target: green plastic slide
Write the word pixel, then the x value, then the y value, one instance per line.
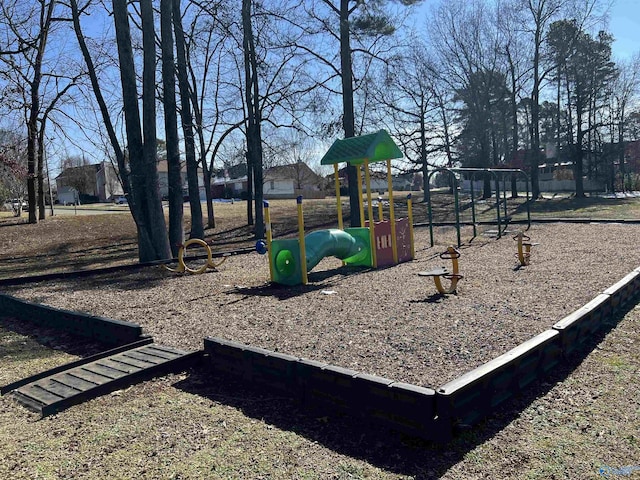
pixel 351 245
pixel 332 243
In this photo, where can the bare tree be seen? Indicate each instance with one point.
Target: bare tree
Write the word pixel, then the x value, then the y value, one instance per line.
pixel 29 26
pixel 408 102
pixel 624 90
pixel 254 115
pixel 145 200
pixel 176 231
pixel 341 21
pixel 13 169
pixel 197 228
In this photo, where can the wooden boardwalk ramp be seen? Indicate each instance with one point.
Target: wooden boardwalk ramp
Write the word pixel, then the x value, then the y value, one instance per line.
pixel 59 388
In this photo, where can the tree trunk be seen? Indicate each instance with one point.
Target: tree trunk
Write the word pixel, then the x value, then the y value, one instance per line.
pixel 579 152
pixel 513 103
pixel 348 117
pixel 176 214
pixel 254 118
pixel 206 177
pixel 197 227
pixel 145 202
pixel 41 206
pixel 32 118
pixel 157 224
pixel 206 171
pixel 535 122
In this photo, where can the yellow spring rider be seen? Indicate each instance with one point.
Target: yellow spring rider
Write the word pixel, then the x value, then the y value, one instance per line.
pixel 453 275
pixel 524 248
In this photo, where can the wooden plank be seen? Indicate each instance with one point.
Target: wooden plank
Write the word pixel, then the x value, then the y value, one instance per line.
pixel 40 394
pixel 162 348
pixel 145 357
pixel 129 361
pixel 74 381
pixel 104 371
pixel 90 376
pixel 58 388
pixel 154 352
pixel 28 402
pixel 119 366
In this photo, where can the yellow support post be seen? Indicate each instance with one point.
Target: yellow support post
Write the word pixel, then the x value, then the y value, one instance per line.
pixel 338 200
pixel 267 221
pixel 380 211
pixel 303 257
pixel 359 176
pixel 372 228
pixel 392 216
pixel 410 219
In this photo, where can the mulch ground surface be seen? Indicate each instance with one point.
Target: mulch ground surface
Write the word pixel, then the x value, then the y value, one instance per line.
pixel 388 322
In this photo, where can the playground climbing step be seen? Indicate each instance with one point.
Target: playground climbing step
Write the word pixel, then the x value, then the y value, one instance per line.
pixel 59 388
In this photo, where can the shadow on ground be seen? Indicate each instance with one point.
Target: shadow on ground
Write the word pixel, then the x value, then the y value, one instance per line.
pixel 376 445
pixel 320 280
pixel 52 339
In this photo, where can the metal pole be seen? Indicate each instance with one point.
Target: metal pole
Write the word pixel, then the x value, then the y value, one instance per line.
pixel 457 205
pixel 372 226
pixel 429 211
pixel 338 200
pixel 410 218
pixel 267 219
pixel 303 256
pixel 495 177
pixel 392 216
pixel 473 207
pixel 504 196
pixel 46 162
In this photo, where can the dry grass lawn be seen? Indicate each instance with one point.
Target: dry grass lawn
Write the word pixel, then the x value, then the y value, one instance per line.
pixel 583 419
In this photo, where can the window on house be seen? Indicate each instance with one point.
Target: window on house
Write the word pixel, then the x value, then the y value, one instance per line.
pixel 272 185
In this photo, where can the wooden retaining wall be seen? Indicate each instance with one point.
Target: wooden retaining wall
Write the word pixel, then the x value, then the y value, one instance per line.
pixel 330 389
pixel 105 330
pixel 432 414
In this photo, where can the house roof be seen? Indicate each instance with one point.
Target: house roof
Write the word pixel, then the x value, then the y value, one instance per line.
pixel 224 181
pixel 297 171
pixel 66 171
pixel 374 147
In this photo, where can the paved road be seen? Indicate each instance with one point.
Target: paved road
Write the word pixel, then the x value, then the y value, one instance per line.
pixel 88 210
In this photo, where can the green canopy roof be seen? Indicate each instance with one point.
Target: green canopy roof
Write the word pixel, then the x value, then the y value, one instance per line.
pixel 375 147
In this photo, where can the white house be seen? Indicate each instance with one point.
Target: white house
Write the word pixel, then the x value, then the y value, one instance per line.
pixel 98 182
pixel 289 181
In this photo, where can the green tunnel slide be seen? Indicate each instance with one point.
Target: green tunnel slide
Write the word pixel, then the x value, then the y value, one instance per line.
pixel 352 245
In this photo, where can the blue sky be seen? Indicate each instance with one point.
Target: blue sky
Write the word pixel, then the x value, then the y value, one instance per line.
pixel 624 24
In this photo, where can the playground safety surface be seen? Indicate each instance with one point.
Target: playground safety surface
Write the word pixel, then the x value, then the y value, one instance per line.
pixel 386 322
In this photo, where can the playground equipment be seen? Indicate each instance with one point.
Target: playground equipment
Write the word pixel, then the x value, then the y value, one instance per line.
pixel 453 275
pixel 183 267
pixel 495 173
pixel 375 244
pixel 524 248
